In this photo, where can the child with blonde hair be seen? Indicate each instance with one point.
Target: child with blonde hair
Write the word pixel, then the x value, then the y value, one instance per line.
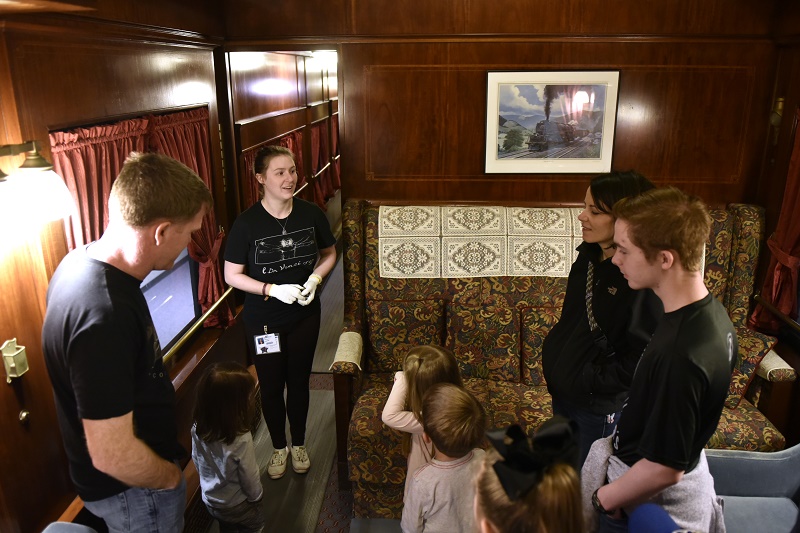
pixel 531 488
pixel 222 448
pixel 424 366
pixel 441 493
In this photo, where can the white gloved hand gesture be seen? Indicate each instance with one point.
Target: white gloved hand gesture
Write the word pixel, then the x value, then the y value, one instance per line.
pixel 288 293
pixel 309 289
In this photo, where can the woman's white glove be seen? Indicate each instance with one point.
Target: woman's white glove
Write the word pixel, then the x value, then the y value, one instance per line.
pixel 309 289
pixel 288 293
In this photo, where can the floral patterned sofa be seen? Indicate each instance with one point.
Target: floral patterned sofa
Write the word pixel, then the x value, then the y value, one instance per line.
pixel 496 326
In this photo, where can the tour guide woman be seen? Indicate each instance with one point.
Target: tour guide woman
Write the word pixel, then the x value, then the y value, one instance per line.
pixel 278 251
pixel 591 353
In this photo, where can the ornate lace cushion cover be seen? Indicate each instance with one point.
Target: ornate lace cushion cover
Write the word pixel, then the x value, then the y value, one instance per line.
pixel 476 241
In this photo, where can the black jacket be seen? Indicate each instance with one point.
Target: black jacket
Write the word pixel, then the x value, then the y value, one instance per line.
pixel 574 366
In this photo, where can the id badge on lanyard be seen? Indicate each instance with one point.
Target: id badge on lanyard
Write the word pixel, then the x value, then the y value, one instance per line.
pixel 267 343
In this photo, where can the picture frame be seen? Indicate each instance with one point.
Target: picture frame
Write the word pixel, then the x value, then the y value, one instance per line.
pixel 550 121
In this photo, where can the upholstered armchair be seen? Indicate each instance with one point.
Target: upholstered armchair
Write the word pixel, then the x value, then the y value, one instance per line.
pixel 761 490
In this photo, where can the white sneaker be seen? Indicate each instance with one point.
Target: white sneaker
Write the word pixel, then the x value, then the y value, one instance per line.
pixel 300 460
pixel 277 463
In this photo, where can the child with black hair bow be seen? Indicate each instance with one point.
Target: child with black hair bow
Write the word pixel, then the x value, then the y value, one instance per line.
pixel 526 486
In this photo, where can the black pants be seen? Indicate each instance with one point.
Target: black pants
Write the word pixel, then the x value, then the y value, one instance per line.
pixel 291 368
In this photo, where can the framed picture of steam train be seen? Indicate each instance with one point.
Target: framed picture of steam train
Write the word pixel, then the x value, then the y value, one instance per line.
pixel 550 122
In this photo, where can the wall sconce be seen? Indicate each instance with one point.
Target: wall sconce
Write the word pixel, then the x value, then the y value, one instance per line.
pixel 775 118
pixel 33 161
pixel 32 195
pixel 15 360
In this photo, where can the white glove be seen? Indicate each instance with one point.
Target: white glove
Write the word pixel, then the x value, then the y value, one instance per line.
pixel 288 293
pixel 309 289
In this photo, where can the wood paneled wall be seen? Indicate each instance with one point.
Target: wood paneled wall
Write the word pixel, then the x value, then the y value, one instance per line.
pixel 336 19
pixel 58 72
pixel 690 114
pixel 694 91
pixel 272 94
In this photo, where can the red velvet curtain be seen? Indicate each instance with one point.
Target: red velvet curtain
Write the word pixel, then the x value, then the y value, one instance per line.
pixel 89 159
pixel 336 167
pixel 98 152
pixel 184 136
pixel 319 145
pixel 780 287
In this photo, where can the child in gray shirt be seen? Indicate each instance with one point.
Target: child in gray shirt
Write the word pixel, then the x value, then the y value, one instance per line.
pixel 441 493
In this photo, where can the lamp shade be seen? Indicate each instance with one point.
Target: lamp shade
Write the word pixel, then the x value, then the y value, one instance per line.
pixel 28 201
pixel 39 196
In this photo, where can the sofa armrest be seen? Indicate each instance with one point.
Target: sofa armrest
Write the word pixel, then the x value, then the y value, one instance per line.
pixel 764 474
pixel 348 354
pixel 774 368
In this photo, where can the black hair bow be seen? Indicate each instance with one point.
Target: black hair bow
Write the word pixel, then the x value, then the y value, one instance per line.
pixel 524 465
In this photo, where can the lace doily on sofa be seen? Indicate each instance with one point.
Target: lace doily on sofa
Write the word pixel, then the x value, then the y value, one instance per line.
pixel 476 241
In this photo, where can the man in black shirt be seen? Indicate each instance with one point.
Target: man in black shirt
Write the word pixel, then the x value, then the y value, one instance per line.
pixel 682 379
pixel 114 399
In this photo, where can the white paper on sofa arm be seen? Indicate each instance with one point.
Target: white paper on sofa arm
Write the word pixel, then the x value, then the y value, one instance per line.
pixel 773 362
pixel 349 349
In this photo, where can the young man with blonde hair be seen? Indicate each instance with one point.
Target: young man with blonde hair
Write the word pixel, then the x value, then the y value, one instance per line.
pixel 114 399
pixel 682 379
pixel 441 493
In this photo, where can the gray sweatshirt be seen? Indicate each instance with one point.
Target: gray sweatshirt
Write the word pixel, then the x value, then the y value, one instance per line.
pixel 229 473
pixel 441 496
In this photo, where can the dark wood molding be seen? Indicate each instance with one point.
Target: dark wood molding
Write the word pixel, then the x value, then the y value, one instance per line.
pixel 269 127
pixel 91 29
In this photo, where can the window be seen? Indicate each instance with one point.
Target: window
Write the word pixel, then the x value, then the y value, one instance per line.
pixel 172 298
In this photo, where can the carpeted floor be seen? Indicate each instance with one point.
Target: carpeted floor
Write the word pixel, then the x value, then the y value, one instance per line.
pixel 337 507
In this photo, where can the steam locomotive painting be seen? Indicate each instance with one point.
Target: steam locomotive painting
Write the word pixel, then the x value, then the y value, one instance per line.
pixel 550 121
pixel 554 133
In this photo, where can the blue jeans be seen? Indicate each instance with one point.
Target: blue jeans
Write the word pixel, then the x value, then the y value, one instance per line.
pixel 609 525
pixel 139 510
pixel 591 426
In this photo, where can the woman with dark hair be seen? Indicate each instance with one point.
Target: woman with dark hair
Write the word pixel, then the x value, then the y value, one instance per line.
pixel 278 251
pixel 591 353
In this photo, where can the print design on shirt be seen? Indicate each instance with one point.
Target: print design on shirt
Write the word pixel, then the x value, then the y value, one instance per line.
pixel 293 249
pixel 730 348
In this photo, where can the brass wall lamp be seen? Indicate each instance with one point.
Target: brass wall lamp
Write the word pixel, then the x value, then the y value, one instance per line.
pixel 32 194
pixel 33 161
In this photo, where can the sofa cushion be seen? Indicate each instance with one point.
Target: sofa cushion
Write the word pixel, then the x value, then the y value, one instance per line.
pixel 485 340
pixel 746 428
pixel 536 324
pixel 396 326
pixel 718 254
pixel 753 346
pixel 374 450
pixel 748 231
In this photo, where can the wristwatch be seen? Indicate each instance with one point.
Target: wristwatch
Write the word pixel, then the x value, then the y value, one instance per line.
pixel 599 506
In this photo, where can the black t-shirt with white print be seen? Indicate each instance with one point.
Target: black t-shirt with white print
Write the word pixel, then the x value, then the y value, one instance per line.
pixel 258 241
pixel 679 387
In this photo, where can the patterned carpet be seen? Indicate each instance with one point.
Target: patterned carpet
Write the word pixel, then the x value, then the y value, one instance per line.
pixel 337 507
